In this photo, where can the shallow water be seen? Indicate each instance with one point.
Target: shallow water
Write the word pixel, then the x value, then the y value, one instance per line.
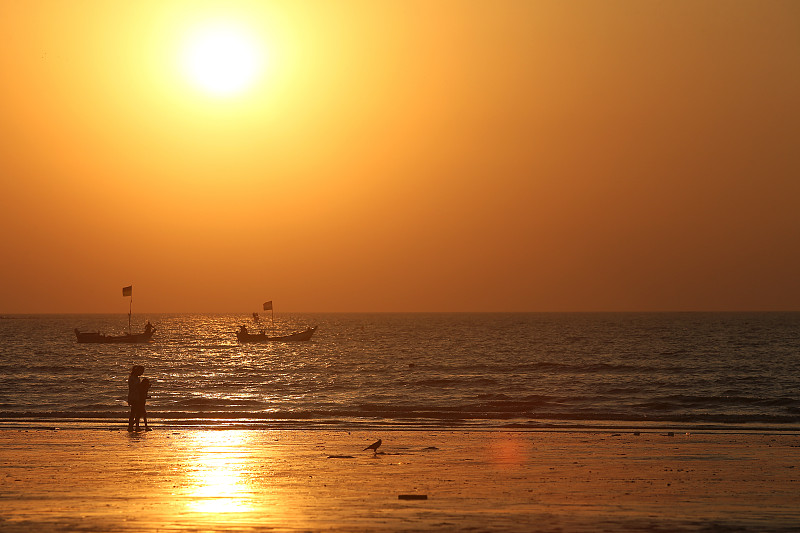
pixel 701 370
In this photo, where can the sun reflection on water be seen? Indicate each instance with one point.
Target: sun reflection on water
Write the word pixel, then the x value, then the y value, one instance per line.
pixel 218 476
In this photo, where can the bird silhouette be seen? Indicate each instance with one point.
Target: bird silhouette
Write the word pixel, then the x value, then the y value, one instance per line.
pixel 374 446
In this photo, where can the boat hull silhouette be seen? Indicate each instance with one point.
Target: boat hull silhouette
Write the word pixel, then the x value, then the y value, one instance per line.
pixel 94 337
pixel 304 335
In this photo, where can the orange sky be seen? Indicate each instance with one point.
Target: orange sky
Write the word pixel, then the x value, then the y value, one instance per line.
pixel 404 156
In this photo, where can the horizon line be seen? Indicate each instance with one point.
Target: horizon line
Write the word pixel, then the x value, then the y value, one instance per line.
pixel 249 313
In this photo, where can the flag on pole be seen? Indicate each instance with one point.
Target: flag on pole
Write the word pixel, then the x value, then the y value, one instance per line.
pixel 268 305
pixel 127 291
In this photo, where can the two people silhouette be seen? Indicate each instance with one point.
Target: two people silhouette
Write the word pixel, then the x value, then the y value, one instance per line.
pixel 137 398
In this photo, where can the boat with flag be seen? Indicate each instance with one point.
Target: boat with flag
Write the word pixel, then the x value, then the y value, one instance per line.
pixel 245 336
pixel 96 337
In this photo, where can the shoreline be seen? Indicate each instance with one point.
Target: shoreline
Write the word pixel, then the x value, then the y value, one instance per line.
pixel 494 480
pixel 29 422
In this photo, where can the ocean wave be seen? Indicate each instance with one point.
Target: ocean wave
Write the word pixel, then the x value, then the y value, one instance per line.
pixel 706 402
pixel 387 415
pixel 39 369
pixel 210 403
pixel 454 381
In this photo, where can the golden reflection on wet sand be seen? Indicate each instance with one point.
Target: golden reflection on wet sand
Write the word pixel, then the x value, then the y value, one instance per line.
pixel 216 473
pixel 230 480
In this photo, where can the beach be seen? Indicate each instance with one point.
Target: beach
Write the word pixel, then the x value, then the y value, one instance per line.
pixel 179 479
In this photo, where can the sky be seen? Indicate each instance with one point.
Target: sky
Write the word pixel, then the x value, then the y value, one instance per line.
pixel 400 156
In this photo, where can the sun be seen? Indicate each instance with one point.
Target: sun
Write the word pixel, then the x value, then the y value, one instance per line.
pixel 222 59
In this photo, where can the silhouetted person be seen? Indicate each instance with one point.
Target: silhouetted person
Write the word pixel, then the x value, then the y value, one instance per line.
pixel 134 392
pixel 140 408
pixel 374 446
pixel 243 330
pixel 148 328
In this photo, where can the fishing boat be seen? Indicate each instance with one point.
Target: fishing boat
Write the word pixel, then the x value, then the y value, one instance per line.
pixel 126 338
pixel 244 336
pixel 304 335
pixel 96 337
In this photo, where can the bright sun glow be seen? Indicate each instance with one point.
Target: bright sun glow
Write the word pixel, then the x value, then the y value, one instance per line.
pixel 222 59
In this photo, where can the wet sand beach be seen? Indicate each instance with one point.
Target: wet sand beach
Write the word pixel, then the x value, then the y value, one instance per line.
pixel 291 480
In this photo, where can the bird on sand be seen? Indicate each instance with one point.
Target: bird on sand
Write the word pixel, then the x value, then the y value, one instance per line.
pixel 374 446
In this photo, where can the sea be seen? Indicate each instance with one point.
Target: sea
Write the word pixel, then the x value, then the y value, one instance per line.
pixel 413 371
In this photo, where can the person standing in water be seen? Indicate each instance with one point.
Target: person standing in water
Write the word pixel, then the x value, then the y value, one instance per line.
pixel 134 394
pixel 141 409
